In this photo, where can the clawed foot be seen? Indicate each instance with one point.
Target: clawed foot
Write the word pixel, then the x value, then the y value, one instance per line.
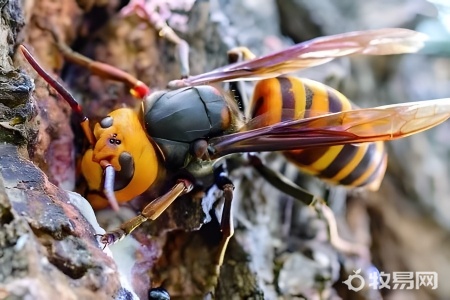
pixel 110 237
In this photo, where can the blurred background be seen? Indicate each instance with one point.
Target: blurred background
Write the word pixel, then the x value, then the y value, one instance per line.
pixel 281 249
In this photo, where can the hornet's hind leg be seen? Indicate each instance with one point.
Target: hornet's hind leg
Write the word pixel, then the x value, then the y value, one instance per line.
pixel 288 187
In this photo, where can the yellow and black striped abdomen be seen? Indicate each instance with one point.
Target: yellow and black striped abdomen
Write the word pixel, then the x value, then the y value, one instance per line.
pixel 285 98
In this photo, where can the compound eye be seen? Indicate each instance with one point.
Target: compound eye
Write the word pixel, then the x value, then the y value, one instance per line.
pixel 107 122
pixel 126 173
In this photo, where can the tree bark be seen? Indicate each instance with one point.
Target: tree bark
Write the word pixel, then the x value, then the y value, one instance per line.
pixel 280 249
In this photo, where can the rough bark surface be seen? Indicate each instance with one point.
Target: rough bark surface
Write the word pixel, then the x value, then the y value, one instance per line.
pixel 280 249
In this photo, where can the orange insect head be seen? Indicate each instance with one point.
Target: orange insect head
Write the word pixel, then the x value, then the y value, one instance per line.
pixel 122 143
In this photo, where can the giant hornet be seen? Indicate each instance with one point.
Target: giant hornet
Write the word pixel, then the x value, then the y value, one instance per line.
pixel 181 134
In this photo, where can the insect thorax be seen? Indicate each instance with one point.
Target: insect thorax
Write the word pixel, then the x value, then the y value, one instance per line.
pixel 176 119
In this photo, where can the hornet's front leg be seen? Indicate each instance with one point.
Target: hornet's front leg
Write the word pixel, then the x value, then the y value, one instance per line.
pixel 150 212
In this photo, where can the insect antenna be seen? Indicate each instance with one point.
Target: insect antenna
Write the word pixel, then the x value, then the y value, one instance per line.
pixel 137 88
pixel 76 108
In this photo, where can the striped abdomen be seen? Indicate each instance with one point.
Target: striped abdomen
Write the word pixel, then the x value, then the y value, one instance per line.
pixel 285 98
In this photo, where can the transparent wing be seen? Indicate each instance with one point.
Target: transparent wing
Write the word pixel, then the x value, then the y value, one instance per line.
pixel 312 53
pixel 356 126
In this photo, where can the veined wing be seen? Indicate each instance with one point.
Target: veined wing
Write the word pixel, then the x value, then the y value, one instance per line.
pixel 312 53
pixel 355 126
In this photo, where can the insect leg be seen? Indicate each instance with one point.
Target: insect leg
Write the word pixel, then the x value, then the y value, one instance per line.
pixel 236 88
pixel 339 243
pixel 285 185
pixel 240 54
pixel 226 225
pixel 226 222
pixel 150 212
pixel 281 182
